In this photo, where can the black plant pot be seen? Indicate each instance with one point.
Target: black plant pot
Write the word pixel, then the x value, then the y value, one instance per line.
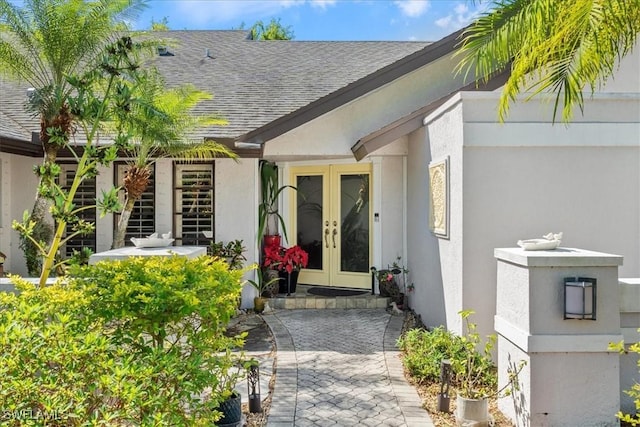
pixel 288 282
pixel 231 411
pixel 389 288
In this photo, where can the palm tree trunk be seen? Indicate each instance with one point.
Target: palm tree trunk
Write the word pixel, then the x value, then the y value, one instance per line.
pixel 42 204
pixel 43 230
pixel 135 181
pixel 121 230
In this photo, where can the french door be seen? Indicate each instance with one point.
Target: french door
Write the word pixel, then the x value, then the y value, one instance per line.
pixel 331 220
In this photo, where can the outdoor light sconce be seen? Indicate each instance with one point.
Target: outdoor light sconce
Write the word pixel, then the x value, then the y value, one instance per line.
pixel 253 388
pixel 580 298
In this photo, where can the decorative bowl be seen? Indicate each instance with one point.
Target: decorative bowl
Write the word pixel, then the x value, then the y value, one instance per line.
pixel 538 244
pixel 151 242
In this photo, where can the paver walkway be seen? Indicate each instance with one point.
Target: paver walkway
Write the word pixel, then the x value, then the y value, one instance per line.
pixel 340 367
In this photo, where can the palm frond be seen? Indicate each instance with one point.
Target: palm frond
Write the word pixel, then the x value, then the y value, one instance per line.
pixel 44 41
pixel 551 46
pixel 161 121
pixel 191 151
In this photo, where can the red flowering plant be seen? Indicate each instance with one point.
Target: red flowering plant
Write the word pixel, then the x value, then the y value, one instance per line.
pixel 285 259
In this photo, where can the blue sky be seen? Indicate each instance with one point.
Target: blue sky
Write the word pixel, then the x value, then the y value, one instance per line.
pixel 400 20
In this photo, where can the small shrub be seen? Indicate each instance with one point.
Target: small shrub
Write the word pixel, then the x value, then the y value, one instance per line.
pixel 632 420
pixel 475 372
pixel 232 252
pixel 56 363
pixel 136 342
pixel 424 351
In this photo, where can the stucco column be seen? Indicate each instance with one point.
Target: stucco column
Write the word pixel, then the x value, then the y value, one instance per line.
pixel 570 378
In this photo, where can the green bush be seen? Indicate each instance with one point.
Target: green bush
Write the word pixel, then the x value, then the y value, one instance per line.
pixel 423 352
pixel 632 420
pixel 136 342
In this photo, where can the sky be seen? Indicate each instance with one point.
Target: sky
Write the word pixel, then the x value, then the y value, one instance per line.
pixel 355 20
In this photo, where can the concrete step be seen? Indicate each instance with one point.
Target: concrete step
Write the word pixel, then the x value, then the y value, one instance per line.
pixel 302 299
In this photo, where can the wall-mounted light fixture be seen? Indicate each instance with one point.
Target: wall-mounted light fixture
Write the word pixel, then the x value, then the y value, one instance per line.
pixel 580 298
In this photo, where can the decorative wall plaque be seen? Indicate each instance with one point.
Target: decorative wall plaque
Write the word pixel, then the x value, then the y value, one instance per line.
pixel 439 197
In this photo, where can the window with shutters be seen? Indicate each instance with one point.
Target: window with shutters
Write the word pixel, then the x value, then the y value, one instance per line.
pixel 142 220
pixel 193 197
pixel 85 196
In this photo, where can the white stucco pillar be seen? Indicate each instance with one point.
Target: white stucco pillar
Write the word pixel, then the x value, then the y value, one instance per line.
pixel 570 378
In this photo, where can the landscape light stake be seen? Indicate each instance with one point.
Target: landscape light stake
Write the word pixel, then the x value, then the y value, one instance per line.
pixel 253 389
pixel 445 380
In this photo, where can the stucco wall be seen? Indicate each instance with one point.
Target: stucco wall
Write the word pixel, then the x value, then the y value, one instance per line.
pixel 423 255
pixel 391 210
pixel 17 191
pixel 237 209
pixel 525 178
pixel 235 203
pixel 436 262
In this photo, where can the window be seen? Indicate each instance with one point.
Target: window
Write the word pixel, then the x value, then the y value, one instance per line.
pixel 193 201
pixel 85 196
pixel 142 220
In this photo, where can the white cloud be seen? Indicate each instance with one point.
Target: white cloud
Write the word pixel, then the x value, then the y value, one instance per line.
pixel 413 8
pixel 460 17
pixel 444 22
pixel 322 4
pixel 461 9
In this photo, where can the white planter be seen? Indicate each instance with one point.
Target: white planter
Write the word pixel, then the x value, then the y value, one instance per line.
pixel 472 412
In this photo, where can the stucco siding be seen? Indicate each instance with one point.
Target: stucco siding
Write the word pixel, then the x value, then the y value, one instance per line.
pixel 445 140
pixel 627 75
pixel 523 179
pixel 423 254
pixel 391 210
pixel 18 194
pixel 235 203
pixel 333 134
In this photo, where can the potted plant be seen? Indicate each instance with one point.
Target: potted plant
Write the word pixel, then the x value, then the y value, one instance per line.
pixel 232 252
pixel 231 369
pixel 288 262
pixel 262 285
pixel 388 282
pixel 475 375
pixel 387 285
pixel 268 208
pixel 476 378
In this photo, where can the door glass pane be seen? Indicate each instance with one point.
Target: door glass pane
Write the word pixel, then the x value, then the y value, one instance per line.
pixel 309 221
pixel 354 214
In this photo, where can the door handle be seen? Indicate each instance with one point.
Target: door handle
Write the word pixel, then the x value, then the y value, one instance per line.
pixel 326 237
pixel 333 235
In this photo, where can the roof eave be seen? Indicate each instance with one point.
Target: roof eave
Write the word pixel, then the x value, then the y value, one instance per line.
pixel 21 147
pixel 413 121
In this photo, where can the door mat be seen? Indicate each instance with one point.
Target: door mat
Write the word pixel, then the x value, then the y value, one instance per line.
pixel 332 292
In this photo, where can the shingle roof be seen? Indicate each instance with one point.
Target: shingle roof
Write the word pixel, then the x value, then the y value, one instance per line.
pixel 253 82
pixel 9 128
pixel 15 121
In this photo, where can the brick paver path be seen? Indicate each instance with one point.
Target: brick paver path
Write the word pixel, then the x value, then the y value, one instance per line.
pixel 340 368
